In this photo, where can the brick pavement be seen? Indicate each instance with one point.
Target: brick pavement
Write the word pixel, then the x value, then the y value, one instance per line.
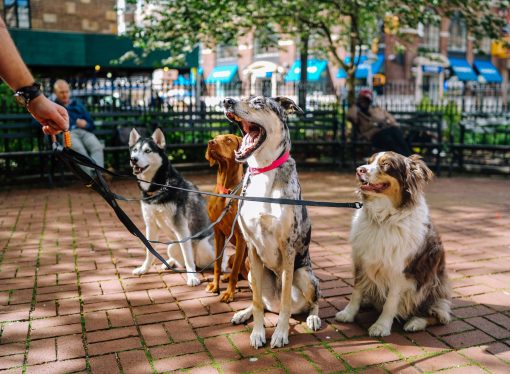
pixel 68 301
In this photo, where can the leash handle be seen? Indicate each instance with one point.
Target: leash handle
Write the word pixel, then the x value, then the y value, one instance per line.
pixel 67 139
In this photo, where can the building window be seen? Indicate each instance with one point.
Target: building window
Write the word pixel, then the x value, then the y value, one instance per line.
pixel 457 41
pixel 17 13
pixel 226 52
pixel 261 50
pixel 430 37
pixel 484 47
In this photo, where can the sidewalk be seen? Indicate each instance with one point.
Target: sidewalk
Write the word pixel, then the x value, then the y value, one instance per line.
pixel 68 301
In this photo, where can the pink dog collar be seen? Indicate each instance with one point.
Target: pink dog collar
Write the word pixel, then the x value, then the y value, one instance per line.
pixel 276 163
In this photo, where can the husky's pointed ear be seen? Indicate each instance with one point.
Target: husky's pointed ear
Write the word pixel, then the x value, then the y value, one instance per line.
pixel 287 104
pixel 133 137
pixel 159 138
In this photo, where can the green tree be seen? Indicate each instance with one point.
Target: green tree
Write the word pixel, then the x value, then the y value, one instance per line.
pixel 333 25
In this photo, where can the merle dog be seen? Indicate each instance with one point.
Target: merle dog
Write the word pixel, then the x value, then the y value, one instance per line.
pixel 178 214
pixel 277 236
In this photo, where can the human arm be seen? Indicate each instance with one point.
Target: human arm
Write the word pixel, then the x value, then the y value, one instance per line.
pixel 15 73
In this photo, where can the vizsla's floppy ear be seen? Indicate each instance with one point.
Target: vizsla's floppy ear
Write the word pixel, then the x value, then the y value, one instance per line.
pixel 239 141
pixel 133 137
pixel 419 167
pixel 159 138
pixel 209 158
pixel 287 104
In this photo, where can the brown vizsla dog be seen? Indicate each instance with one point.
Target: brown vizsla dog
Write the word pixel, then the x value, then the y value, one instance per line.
pixel 230 173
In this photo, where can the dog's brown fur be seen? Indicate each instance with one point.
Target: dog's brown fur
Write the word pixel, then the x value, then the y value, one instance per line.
pixel 230 173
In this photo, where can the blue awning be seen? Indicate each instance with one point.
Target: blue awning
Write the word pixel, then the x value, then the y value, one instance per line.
pixel 188 80
pixel 462 69
pixel 488 71
pixel 222 74
pixel 362 69
pixel 314 71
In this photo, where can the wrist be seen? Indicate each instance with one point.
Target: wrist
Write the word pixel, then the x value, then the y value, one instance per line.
pixel 26 94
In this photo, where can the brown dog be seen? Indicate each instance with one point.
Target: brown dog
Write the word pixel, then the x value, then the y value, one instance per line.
pixel 230 173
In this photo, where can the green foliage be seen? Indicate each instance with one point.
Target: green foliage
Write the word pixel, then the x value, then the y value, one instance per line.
pixel 333 25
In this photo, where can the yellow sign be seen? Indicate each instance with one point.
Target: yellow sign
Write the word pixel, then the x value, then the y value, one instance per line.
pixel 379 80
pixel 499 48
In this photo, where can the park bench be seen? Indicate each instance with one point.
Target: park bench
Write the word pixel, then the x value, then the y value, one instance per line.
pixel 22 147
pixel 481 142
pixel 423 131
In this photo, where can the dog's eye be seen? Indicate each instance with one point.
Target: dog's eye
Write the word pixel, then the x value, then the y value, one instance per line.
pixel 147 150
pixel 135 150
pixel 229 140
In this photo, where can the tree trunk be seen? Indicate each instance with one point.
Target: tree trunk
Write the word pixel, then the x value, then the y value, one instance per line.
pixel 303 77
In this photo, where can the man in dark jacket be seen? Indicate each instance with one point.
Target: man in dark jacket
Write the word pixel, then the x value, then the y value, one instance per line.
pixel 377 125
pixel 80 124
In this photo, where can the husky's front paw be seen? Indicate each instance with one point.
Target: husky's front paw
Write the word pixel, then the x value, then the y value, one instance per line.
pixel 345 316
pixel 170 262
pixel 379 329
pixel 141 270
pixel 280 337
pixel 258 338
pixel 193 280
pixel 313 322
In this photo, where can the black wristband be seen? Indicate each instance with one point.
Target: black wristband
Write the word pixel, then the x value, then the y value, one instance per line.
pixel 25 95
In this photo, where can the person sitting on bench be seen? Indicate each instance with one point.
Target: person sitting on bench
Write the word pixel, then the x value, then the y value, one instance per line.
pixel 80 124
pixel 377 125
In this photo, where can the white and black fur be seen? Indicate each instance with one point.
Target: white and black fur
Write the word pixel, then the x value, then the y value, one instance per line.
pixel 177 214
pixel 399 260
pixel 277 236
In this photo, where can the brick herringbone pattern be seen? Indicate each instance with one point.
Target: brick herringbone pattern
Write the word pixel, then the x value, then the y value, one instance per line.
pixel 68 301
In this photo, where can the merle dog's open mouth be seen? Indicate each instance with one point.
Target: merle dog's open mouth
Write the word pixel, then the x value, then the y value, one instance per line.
pixel 137 169
pixel 253 136
pixel 373 187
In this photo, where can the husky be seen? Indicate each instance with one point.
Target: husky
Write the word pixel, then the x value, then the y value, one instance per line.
pixel 277 236
pixel 178 214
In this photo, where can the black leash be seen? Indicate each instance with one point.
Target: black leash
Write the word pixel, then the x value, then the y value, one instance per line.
pixel 86 161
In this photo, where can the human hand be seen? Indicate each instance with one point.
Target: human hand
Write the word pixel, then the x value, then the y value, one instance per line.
pixel 81 123
pixel 52 117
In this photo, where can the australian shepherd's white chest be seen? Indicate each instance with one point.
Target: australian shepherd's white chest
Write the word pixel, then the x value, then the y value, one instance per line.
pixel 399 260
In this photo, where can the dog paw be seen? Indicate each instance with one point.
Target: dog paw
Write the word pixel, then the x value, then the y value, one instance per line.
pixel 280 337
pixel 415 324
pixel 345 316
pixel 212 287
pixel 313 322
pixel 193 280
pixel 257 338
pixel 170 262
pixel 140 270
pixel 227 297
pixel 378 329
pixel 241 316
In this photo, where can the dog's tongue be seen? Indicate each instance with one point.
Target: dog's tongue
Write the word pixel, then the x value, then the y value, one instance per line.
pixel 374 187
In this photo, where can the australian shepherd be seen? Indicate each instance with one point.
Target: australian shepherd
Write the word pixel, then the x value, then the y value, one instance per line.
pixel 399 260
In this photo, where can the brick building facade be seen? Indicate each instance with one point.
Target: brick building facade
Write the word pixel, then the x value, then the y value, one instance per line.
pixel 89 16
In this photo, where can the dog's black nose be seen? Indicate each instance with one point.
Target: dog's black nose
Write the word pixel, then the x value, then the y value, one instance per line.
pixel 229 102
pixel 212 142
pixel 134 160
pixel 361 170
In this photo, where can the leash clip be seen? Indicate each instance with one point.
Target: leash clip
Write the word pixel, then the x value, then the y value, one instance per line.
pixel 358 205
